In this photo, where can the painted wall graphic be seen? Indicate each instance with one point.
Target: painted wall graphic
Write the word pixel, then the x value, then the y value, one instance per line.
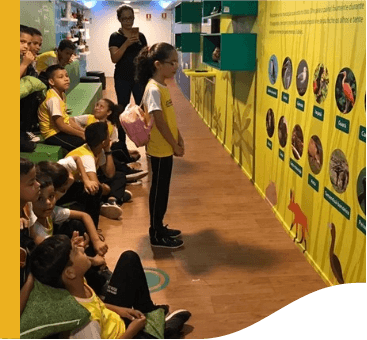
pixel 318 151
pixel 298 124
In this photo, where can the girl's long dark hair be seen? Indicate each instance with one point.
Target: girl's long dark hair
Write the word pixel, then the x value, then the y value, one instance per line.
pixel 144 62
pixel 116 111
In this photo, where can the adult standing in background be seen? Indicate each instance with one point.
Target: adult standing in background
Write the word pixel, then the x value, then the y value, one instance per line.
pixel 124 46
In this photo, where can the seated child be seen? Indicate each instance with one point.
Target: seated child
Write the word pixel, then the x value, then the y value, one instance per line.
pixel 73 186
pixel 26 56
pixel 95 154
pixel 37 41
pixel 63 56
pixel 29 192
pixel 106 111
pixel 61 264
pixel 57 128
pixel 48 213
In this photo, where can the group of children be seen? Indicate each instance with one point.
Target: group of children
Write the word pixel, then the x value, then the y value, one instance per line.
pixel 60 202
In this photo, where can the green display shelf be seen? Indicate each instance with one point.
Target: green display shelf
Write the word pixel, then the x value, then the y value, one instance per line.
pixel 236 8
pixel 238 51
pixel 188 42
pixel 188 12
pixel 44 152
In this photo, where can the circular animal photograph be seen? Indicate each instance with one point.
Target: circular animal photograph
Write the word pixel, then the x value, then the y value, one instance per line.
pixel 270 124
pixel 361 190
pixel 320 83
pixel 315 154
pixel 339 171
pixel 273 69
pixel 297 142
pixel 345 90
pixel 287 71
pixel 302 77
pixel 283 131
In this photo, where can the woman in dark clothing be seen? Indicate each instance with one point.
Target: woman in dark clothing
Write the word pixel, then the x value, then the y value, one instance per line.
pixel 124 46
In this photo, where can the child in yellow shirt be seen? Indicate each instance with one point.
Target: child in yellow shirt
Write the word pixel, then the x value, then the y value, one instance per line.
pixel 154 65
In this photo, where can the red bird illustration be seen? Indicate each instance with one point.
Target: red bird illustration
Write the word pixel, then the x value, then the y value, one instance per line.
pixel 348 93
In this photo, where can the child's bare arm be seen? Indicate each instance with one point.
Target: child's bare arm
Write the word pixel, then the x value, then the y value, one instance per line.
pixel 91 187
pixel 75 125
pixel 66 128
pixel 99 246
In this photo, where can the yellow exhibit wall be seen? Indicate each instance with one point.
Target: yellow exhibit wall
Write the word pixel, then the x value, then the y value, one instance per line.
pixel 297 125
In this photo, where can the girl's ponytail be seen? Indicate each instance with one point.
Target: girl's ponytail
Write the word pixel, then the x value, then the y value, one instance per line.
pixel 144 62
pixel 116 110
pixel 143 66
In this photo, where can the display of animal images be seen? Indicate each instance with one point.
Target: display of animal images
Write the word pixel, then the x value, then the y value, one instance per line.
pixel 320 83
pixel 297 142
pixel 302 77
pixel 270 124
pixel 287 71
pixel 315 154
pixel 345 90
pixel 339 171
pixel 283 131
pixel 361 190
pixel 273 69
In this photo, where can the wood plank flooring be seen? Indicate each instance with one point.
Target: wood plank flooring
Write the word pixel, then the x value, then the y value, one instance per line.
pixel 238 265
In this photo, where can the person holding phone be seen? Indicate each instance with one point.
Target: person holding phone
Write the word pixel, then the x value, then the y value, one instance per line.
pixel 124 46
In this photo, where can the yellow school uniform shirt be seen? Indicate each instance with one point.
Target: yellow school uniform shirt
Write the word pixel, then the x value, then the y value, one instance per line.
pixel 158 146
pixel 92 119
pixel 111 325
pixel 53 105
pixel 45 60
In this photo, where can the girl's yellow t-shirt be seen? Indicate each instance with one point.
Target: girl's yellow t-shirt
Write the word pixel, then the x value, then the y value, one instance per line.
pixel 158 146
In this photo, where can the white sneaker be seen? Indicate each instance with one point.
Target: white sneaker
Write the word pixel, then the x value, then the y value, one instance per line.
pixel 111 211
pixel 127 196
pixel 32 137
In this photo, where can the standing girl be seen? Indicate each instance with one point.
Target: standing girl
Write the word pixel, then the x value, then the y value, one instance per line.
pixel 153 66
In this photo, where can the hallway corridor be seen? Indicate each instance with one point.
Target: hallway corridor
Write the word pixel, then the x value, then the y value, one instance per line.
pixel 238 264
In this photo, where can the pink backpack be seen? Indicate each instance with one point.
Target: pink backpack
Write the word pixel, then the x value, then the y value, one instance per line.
pixel 137 124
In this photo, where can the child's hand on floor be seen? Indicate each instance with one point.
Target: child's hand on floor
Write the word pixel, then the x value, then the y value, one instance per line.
pixel 100 247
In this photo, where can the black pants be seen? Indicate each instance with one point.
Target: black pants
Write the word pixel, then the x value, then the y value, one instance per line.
pixel 128 286
pixel 90 204
pixel 159 192
pixel 119 149
pixel 117 184
pixel 66 141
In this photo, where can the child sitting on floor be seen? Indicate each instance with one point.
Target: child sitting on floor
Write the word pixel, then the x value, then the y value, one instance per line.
pixel 106 111
pixel 61 264
pixel 57 128
pixel 95 154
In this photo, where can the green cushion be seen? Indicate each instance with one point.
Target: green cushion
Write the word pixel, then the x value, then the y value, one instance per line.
pixel 44 152
pixel 50 310
pixel 83 98
pixel 74 74
pixel 29 84
pixel 155 323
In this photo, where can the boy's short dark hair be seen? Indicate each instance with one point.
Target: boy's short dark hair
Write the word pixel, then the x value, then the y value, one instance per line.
pixel 26 30
pixel 49 259
pixel 43 179
pixel 35 31
pixel 96 133
pixel 51 69
pixel 66 44
pixel 25 166
pixel 58 173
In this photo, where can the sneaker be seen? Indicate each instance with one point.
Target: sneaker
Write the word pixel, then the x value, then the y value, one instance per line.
pixel 135 174
pixel 175 322
pixel 32 137
pixel 111 211
pixel 173 233
pixel 127 196
pixel 138 182
pixel 166 242
pixel 164 307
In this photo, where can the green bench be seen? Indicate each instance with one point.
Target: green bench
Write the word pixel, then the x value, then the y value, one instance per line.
pixel 81 99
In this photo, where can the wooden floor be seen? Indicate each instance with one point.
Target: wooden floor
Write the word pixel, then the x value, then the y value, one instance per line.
pixel 238 265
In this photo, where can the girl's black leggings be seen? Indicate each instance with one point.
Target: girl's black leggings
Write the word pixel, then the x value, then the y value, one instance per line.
pixel 159 193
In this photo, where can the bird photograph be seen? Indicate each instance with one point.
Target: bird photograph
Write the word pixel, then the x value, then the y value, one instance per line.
pixel 297 142
pixel 287 70
pixel 334 260
pixel 270 123
pixel 320 83
pixel 302 77
pixel 273 69
pixel 282 131
pixel 345 90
